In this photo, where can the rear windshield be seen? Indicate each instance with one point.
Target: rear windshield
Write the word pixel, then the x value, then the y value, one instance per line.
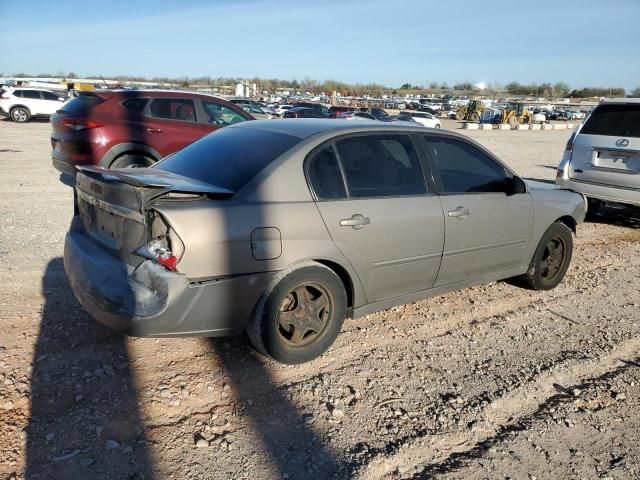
pixel 81 105
pixel 614 120
pixel 229 157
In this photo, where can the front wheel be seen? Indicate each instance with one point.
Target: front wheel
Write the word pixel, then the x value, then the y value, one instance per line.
pixel 300 315
pixel 551 259
pixel 20 115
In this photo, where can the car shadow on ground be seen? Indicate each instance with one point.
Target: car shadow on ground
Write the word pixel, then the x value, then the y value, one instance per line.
pixel 286 432
pixel 84 421
pixel 617 215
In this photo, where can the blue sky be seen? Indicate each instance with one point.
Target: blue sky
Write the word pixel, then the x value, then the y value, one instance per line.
pixel 581 42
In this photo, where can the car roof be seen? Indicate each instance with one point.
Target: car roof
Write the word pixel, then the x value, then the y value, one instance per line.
pixel 307 127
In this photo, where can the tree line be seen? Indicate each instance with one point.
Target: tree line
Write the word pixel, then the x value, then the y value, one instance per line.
pixel 559 89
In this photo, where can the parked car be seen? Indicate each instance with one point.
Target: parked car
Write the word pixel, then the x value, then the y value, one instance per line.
pixel 257 112
pixel 23 104
pixel 134 128
pixel 356 116
pixel 378 113
pixel 398 118
pixel 280 109
pixel 334 111
pixel 326 220
pixel 424 119
pixel 602 157
pixel 302 112
pixel 320 111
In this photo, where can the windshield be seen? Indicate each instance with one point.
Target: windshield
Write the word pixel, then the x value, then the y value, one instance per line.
pixel 229 157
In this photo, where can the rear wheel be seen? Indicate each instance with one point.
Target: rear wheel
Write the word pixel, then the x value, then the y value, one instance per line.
pixel 300 315
pixel 513 121
pixel 474 117
pixel 20 115
pixel 459 116
pixel 551 259
pixel 132 161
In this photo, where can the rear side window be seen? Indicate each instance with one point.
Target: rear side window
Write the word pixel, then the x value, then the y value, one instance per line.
pixel 136 105
pixel 463 168
pixel 324 175
pixel 229 157
pixel 381 166
pixel 17 93
pixel 614 120
pixel 173 109
pixel 32 94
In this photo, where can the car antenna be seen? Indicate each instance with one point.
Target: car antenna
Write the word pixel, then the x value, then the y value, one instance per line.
pixel 105 82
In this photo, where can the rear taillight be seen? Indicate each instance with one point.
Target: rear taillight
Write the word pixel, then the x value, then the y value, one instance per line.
pixel 79 123
pixel 159 253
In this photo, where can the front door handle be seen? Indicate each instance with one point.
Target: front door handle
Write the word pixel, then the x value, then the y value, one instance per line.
pixel 154 130
pixel 459 212
pixel 356 221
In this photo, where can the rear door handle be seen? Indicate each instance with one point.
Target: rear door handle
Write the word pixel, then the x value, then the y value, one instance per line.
pixel 356 221
pixel 459 212
pixel 154 130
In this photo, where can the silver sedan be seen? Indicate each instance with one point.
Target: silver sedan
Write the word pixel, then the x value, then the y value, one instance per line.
pixel 285 229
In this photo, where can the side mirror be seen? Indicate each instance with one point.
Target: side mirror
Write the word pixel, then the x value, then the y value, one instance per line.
pixel 515 185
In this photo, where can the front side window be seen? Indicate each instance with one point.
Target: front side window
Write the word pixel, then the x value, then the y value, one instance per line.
pixel 463 168
pixel 50 96
pixel 381 166
pixel 218 114
pixel 173 109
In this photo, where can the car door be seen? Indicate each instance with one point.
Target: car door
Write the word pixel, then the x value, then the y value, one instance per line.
pixel 50 103
pixel 171 123
pixel 372 195
pixel 487 227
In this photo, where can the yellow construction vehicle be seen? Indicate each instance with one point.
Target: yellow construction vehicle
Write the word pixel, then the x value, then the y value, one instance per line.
pixel 470 112
pixel 514 114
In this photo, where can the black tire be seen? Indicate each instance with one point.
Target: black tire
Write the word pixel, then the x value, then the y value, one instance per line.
pixel 551 259
pixel 474 117
pixel 460 116
pixel 20 114
pixel 300 342
pixel 132 160
pixel 438 126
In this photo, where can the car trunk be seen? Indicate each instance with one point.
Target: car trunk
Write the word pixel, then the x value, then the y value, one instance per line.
pixel 607 148
pixel 116 207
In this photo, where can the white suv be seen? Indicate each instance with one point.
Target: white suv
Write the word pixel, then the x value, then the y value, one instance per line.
pixel 21 104
pixel 602 158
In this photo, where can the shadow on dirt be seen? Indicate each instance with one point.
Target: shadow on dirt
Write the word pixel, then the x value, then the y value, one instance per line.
pixel 617 215
pixel 84 421
pixel 286 433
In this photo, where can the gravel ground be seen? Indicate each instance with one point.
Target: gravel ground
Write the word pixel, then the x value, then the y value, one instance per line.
pixel 489 382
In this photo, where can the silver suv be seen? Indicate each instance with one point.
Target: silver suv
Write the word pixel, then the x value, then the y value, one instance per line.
pixel 602 158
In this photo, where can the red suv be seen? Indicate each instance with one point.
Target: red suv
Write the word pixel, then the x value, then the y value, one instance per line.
pixel 134 128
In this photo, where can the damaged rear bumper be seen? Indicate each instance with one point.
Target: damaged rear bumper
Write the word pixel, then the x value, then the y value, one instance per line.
pixel 149 300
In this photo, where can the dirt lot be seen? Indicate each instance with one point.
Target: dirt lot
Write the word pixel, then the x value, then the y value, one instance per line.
pixel 490 382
